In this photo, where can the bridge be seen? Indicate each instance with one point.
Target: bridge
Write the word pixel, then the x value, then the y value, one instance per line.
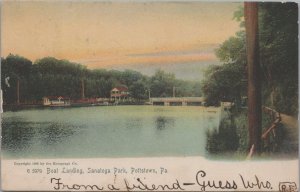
pixel 177 101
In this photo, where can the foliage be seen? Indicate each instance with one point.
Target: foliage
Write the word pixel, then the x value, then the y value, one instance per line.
pixel 232 135
pixel 223 83
pixel 279 55
pixel 241 122
pixel 53 77
pixel 227 82
pixel 278 41
pixel 17 69
pixel 225 139
pixel 162 84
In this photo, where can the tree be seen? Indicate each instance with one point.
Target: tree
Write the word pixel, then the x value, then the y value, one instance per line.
pixel 223 83
pixel 53 77
pixel 279 55
pixel 278 46
pixel 227 82
pixel 254 81
pixel 162 83
pixel 15 73
pixel 138 90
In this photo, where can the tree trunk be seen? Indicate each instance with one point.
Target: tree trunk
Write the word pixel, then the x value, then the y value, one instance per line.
pixel 82 89
pixel 18 92
pixel 254 83
pixel 272 95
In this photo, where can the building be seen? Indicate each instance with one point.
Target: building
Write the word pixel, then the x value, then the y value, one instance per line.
pixel 119 93
pixel 56 101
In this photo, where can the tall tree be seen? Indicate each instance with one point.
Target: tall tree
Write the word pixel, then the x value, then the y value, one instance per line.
pixel 279 55
pixel 16 70
pixel 162 83
pixel 254 83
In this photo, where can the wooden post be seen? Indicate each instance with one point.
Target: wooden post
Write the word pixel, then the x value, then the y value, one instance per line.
pixel 82 89
pixel 254 83
pixel 18 92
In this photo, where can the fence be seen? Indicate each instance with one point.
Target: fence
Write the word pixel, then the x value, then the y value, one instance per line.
pixel 269 133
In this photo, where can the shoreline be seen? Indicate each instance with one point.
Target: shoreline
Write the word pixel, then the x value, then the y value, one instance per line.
pixel 15 107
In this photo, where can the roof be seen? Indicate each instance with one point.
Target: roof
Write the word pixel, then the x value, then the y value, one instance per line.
pixel 56 97
pixel 121 88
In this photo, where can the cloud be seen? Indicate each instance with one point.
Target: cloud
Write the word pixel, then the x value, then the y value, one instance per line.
pixel 164 57
pixel 79 30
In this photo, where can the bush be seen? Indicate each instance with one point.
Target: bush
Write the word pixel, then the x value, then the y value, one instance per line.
pixel 223 140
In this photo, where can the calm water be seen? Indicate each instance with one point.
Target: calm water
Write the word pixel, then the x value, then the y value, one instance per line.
pixel 113 131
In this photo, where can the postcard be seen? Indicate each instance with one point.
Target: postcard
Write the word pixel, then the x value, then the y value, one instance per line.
pixel 149 96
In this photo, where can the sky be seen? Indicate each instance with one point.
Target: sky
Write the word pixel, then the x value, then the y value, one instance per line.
pixel 138 35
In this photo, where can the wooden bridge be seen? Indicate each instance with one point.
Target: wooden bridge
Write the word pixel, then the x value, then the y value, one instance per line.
pixel 177 101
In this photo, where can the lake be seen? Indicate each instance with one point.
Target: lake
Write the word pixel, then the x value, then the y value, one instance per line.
pixel 107 131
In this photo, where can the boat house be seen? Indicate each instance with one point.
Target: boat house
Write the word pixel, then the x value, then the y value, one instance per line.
pixel 56 101
pixel 119 93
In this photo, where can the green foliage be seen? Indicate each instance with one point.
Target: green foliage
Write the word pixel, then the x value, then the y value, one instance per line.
pixel 227 82
pixel 238 15
pixel 50 76
pixel 241 122
pixel 138 89
pixel 223 83
pixel 162 84
pixel 278 41
pixel 279 54
pixel 233 133
pixel 233 50
pixel 13 69
pixel 223 140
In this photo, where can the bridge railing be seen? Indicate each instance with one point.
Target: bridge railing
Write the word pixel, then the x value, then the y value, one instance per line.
pixel 176 99
pixel 276 119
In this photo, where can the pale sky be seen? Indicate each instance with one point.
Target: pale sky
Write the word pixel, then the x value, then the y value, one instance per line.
pixel 102 34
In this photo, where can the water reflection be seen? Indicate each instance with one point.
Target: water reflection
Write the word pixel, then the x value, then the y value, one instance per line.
pixel 134 123
pixel 16 136
pixel 55 132
pixel 162 122
pixel 21 136
pixel 123 131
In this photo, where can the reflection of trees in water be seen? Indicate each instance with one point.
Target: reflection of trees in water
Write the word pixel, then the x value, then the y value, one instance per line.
pixel 134 123
pixel 56 132
pixel 19 135
pixel 15 135
pixel 224 139
pixel 164 122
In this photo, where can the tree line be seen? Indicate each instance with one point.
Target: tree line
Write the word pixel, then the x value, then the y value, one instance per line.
pixel 278 47
pixel 53 77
